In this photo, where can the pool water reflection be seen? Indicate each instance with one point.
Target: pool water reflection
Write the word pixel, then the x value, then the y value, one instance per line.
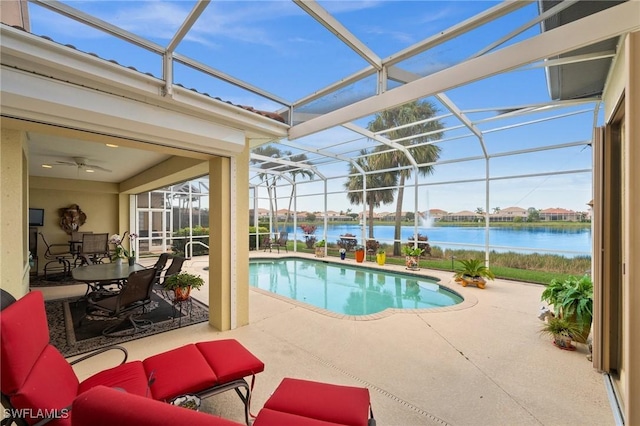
pixel 347 289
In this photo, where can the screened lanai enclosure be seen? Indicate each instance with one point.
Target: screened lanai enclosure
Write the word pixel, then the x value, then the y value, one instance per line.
pixel 175 218
pixel 408 113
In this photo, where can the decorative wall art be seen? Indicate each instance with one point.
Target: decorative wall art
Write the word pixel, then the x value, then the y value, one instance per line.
pixel 71 218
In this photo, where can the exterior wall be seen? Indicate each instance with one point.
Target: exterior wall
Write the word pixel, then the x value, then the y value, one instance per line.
pixel 14 260
pixel 625 80
pixel 631 229
pixel 99 201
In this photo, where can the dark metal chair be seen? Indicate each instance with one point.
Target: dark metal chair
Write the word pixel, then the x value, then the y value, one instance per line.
pixel 175 267
pixel 280 242
pixel 135 295
pixel 94 249
pixel 58 256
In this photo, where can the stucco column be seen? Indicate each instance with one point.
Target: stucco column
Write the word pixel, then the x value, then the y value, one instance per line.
pixel 229 241
pixel 14 225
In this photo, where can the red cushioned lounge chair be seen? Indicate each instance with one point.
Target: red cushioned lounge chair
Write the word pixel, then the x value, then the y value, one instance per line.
pixel 294 403
pixel 37 382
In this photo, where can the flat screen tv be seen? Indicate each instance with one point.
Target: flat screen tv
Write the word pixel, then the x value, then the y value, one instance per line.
pixel 36 217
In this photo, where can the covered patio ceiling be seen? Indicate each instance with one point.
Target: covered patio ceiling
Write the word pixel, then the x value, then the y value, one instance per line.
pixel 505 78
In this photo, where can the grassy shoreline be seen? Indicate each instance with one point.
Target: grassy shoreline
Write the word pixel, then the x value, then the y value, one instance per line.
pixel 532 268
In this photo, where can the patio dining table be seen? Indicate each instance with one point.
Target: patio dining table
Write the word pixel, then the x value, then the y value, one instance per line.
pixel 102 274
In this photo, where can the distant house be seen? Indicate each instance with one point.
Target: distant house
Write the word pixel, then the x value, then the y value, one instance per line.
pixel 509 214
pixel 436 214
pixel 558 214
pixel 333 216
pixel 463 216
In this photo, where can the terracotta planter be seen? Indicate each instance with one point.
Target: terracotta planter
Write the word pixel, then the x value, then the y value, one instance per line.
pixel 563 342
pixel 359 256
pixel 381 258
pixel 477 281
pixel 319 251
pixel 182 294
pixel 411 262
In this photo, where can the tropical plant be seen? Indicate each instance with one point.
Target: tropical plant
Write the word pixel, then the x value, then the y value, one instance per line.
pixel 417 146
pixel 422 243
pixel 560 326
pixel 571 296
pixel 284 161
pixel 563 331
pixel 412 251
pixel 386 182
pixel 321 243
pixel 474 268
pixel 183 280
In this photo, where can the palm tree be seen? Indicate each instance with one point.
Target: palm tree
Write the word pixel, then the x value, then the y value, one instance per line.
pixel 423 154
pixel 293 172
pixel 374 197
pixel 272 179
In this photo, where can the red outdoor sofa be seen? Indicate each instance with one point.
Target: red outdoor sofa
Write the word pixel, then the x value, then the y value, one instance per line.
pixel 39 385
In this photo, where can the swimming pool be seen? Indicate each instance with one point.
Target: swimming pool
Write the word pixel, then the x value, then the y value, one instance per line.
pixel 346 289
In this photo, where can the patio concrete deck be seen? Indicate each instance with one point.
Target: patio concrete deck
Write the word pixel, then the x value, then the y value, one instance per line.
pixel 484 364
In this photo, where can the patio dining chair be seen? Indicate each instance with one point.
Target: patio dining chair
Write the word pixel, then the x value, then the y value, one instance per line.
pixel 280 242
pixel 94 249
pixel 58 256
pixel 134 296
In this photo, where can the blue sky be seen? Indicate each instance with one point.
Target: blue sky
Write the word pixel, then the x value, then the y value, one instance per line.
pixel 277 47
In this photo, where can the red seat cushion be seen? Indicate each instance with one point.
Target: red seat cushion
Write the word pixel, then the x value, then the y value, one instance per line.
pixel 345 405
pixel 229 359
pixel 268 417
pixel 51 385
pixel 179 371
pixel 24 335
pixel 102 406
pixel 130 376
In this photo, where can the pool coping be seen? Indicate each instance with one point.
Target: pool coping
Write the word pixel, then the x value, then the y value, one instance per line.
pixel 468 300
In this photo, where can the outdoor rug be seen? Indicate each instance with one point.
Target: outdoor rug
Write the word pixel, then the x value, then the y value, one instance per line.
pixel 52 280
pixel 63 316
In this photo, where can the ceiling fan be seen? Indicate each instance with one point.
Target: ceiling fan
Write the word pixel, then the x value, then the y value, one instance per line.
pixel 81 164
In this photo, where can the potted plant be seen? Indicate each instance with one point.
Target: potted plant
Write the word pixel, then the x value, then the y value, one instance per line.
pixel 563 332
pixel 320 245
pixel 343 253
pixel 412 257
pixel 572 298
pixel 359 254
pixel 473 271
pixel 182 283
pixel 381 256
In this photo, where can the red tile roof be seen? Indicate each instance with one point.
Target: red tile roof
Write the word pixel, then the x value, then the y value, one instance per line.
pixel 268 114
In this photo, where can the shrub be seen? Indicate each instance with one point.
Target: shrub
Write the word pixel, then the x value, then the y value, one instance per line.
pixel 252 236
pixel 309 238
pixel 347 242
pixel 422 244
pixel 180 239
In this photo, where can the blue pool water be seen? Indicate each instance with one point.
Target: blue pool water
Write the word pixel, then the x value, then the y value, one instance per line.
pixel 346 289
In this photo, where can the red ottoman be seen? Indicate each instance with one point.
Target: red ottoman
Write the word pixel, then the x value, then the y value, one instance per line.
pixel 210 368
pixel 298 402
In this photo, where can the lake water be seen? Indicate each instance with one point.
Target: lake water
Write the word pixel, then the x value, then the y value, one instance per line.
pixel 565 241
